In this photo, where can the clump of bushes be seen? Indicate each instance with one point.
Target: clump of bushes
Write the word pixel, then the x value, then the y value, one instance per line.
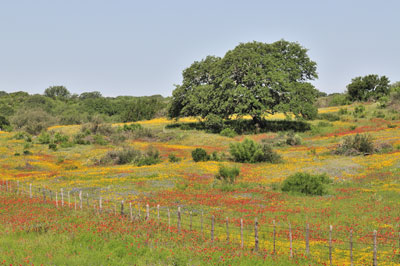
pixel 200 155
pixel 249 151
pixel 131 155
pixel 227 175
pixel 172 158
pixel 356 145
pixel 306 184
pixel 293 139
pixel 213 123
pixel 228 132
pixel 329 116
pixel 359 111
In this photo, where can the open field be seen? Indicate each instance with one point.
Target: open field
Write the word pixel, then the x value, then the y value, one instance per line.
pixel 364 196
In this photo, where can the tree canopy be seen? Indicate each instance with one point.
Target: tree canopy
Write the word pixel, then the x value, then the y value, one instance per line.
pixel 370 87
pixel 252 79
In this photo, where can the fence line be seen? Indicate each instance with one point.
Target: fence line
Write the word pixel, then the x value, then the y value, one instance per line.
pixel 271 238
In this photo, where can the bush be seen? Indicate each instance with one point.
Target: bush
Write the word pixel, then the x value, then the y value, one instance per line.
pixel 329 116
pixel 228 132
pixel 32 121
pixel 227 174
pixel 355 145
pixel 213 123
pixel 293 139
pixel 306 183
pixel 249 151
pixel 173 159
pixel 359 111
pixel 53 146
pixel 151 156
pixel 343 111
pixel 200 154
pixel 44 138
pixel 122 156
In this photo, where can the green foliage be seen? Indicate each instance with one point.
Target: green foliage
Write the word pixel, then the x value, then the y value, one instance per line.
pixel 32 121
pixel 57 92
pixel 249 151
pixel 172 158
pixel 53 146
pixel 23 135
pixel 293 139
pixel 200 155
pixel 370 87
pixel 121 156
pixel 252 79
pixel 228 132
pixel 329 116
pixel 44 138
pixel 306 183
pixel 213 123
pixel 355 145
pixel 227 174
pixel 4 122
pixel 27 152
pixel 359 111
pixel 150 157
pixel 343 111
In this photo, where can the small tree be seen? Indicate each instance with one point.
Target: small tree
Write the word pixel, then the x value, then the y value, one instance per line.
pixel 306 183
pixel 227 174
pixel 250 151
pixel 57 92
pixel 368 87
pixel 200 154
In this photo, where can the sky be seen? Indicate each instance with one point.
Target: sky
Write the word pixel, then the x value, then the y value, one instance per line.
pixel 141 47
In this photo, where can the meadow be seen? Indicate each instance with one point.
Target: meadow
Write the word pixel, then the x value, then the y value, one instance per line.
pixel 363 197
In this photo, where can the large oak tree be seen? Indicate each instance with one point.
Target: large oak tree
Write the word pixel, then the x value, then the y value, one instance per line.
pixel 252 79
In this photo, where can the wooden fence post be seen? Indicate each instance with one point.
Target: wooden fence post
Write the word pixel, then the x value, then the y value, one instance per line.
pixel 75 201
pixel 241 232
pixel 122 208
pixel 44 195
pixel 7 185
pixel 87 200
pixel 274 236
pixel 56 199
pixel 179 220
pixel 30 190
pixel 139 215
pixel 227 230
pixel 62 197
pixel 130 210
pixel 330 245
pixel 375 261
pixel 201 223
pixel 212 228
pixel 100 204
pixel 351 247
pixel 69 200
pixel 255 234
pixel 147 212
pixel 291 240
pixel 80 199
pixel 169 219
pixel 308 239
pixel 190 214
pixel 158 213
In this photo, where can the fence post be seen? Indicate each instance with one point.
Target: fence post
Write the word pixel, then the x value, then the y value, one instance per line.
pixel 30 190
pixel 255 234
pixel 87 200
pixel 7 185
pixel 130 210
pixel 75 201
pixel 62 197
pixel 274 250
pixel 351 247
pixel 179 220
pixel 147 211
pixel 375 262
pixel 100 205
pixel 69 200
pixel 227 230
pixel 241 232
pixel 80 199
pixel 56 199
pixel 212 228
pixel 169 219
pixel 190 214
pixel 291 240
pixel 201 223
pixel 330 245
pixel 122 207
pixel 17 187
pixel 44 195
pixel 308 239
pixel 158 213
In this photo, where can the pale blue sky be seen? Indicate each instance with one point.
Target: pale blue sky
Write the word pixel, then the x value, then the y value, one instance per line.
pixel 141 47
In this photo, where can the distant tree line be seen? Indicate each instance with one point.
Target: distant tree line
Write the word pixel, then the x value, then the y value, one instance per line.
pixel 57 105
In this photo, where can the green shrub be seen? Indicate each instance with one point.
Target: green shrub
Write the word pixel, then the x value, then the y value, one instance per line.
pixel 293 139
pixel 150 157
pixel 324 124
pixel 355 145
pixel 306 183
pixel 172 158
pixel 53 146
pixel 228 132
pixel 60 138
pixel 227 174
pixel 27 152
pixel 32 121
pixel 213 123
pixel 121 156
pixel 249 151
pixel 329 116
pixel 44 138
pixel 200 154
pixel 359 111
pixel 343 111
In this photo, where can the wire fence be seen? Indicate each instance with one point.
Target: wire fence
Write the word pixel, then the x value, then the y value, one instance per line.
pixel 328 247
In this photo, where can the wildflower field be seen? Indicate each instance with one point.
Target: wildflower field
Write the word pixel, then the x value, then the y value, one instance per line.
pixel 146 229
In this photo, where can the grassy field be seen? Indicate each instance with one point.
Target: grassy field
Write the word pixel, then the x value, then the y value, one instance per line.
pixel 364 196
